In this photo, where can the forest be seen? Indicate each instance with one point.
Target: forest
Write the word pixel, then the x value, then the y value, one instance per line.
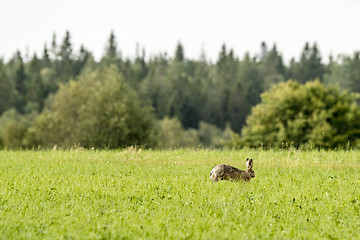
pixel 64 97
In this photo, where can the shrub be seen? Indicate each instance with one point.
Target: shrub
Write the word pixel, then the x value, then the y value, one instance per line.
pixel 97 110
pixel 310 115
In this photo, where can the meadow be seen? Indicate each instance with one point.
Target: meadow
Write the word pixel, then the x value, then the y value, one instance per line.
pixel 149 194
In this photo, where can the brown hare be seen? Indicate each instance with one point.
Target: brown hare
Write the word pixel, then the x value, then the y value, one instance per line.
pixel 227 172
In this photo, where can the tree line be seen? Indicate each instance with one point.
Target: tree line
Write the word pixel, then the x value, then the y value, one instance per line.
pixel 64 96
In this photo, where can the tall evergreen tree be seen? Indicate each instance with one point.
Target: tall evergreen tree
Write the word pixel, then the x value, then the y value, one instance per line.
pixel 352 66
pixel 245 94
pixel 66 49
pixel 65 64
pixel 45 61
pixel 184 98
pixel 179 53
pixel 6 89
pixel 179 97
pixel 34 93
pixel 264 51
pixel 20 81
pixel 226 74
pixel 310 66
pixel 155 87
pixel 54 48
pixel 140 69
pixel 222 56
pixel 272 68
pixel 317 68
pixel 81 59
pixel 111 47
pixel 112 54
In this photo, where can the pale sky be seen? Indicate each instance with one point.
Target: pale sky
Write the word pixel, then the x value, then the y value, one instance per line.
pixel 157 25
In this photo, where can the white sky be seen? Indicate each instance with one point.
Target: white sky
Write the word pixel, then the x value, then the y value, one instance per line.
pixel 157 25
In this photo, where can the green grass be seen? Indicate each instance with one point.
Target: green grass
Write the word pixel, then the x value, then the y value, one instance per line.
pixel 134 194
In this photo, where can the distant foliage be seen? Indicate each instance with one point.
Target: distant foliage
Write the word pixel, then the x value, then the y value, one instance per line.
pixel 170 134
pixel 97 110
pixel 309 115
pixel 202 95
pixel 14 129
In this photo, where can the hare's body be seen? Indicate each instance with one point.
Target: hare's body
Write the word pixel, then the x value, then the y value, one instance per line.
pixel 227 172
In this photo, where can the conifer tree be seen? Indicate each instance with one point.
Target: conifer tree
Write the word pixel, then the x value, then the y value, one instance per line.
pixel 352 66
pixel 310 67
pixel 45 61
pixel 272 68
pixel 54 50
pixel 20 81
pixel 34 93
pixel 65 67
pixel 81 59
pixel 264 51
pixel 179 53
pixel 6 89
pixel 111 47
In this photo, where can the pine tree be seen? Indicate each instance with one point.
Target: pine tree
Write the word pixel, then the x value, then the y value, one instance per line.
pixel 54 48
pixel 317 69
pixel 45 61
pixel 65 64
pixel 111 48
pixel 140 68
pixel 352 66
pixel 6 89
pixel 264 51
pixel 310 67
pixel 179 53
pixel 225 77
pixel 272 68
pixel 66 50
pixel 222 56
pixel 20 81
pixel 80 61
pixel 35 92
pixel 245 93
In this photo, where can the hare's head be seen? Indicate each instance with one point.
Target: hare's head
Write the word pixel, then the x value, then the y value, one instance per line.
pixel 249 165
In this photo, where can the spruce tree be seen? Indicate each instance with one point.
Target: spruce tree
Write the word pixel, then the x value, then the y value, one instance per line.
pixel 65 64
pixel 6 89
pixel 35 91
pixel 20 81
pixel 54 48
pixel 352 66
pixel 310 67
pixel 111 48
pixel 45 61
pixel 179 53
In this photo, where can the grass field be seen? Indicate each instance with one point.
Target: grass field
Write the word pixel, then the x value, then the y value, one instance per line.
pixel 134 194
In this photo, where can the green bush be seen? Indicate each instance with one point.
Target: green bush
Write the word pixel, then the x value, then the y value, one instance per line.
pixel 97 110
pixel 309 115
pixel 14 129
pixel 171 134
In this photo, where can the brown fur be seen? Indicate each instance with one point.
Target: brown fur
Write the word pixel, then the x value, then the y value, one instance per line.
pixel 227 172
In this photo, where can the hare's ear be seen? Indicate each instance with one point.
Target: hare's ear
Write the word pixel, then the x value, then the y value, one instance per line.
pixel 249 163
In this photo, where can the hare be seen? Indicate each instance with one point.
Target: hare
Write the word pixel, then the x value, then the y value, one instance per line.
pixel 227 172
